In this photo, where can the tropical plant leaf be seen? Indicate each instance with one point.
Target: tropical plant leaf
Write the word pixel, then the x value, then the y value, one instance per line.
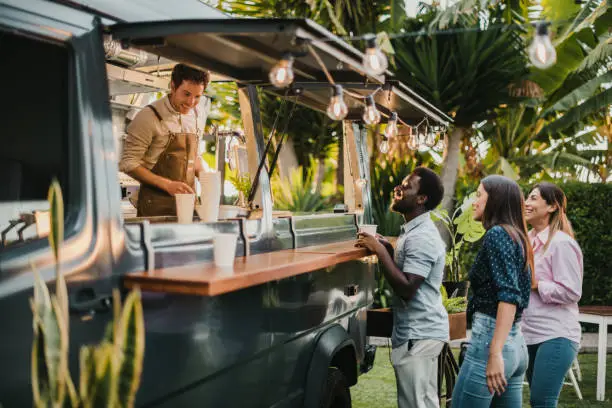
pixel 601 52
pixel 581 93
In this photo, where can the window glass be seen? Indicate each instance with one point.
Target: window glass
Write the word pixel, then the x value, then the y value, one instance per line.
pixel 34 135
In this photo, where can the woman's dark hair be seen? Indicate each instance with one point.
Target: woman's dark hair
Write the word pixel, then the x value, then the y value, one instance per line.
pixel 506 207
pixel 431 186
pixel 558 220
pixel 182 72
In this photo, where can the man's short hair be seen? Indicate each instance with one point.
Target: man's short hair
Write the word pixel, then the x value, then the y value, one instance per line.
pixel 430 185
pixel 182 72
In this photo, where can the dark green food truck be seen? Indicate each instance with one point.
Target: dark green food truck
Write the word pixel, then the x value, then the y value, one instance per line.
pixel 286 328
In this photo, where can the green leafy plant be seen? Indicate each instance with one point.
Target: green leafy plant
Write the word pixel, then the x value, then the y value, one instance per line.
pixel 462 228
pixel 242 183
pixel 455 304
pixel 110 371
pixel 298 193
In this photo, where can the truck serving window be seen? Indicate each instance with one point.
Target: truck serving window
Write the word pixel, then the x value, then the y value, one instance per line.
pixel 34 133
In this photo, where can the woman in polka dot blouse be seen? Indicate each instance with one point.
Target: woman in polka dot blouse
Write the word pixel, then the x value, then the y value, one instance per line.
pixel 496 360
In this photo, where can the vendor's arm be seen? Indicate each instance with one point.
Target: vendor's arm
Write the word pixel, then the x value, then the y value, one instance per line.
pixel 137 141
pixel 404 282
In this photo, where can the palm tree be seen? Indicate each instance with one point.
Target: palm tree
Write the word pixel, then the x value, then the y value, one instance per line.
pixel 466 74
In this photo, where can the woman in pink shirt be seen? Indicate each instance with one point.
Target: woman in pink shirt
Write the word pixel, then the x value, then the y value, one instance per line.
pixel 550 322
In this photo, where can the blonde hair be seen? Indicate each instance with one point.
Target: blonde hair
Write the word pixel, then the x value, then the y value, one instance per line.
pixel 558 220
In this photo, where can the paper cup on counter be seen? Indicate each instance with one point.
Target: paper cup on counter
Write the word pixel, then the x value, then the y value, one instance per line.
pixel 184 207
pixel 368 228
pixel 208 211
pixel 224 248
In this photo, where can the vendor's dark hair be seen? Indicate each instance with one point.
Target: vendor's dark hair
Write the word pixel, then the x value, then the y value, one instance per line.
pixel 182 72
pixel 431 186
pixel 506 207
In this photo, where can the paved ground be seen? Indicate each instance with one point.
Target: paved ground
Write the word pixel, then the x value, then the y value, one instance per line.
pixel 587 345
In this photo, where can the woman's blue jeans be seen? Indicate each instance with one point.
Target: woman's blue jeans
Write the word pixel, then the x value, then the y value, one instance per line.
pixel 471 389
pixel 548 365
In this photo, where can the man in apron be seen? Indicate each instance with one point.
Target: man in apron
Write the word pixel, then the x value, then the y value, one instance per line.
pixel 161 146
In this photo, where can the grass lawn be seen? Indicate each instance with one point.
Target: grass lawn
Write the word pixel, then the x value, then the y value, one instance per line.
pixel 377 387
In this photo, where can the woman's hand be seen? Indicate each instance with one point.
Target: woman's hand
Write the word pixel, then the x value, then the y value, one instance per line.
pixel 370 242
pixel 496 380
pixel 534 284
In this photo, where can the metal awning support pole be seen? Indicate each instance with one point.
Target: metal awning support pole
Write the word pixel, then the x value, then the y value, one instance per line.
pixel 253 132
pixel 357 184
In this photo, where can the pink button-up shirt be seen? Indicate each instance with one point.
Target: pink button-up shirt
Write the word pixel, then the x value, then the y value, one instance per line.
pixel 553 308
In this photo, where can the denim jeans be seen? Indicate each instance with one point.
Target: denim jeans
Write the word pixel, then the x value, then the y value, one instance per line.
pixel 548 365
pixel 471 389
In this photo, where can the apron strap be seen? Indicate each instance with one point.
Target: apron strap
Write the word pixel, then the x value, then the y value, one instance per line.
pixel 155 112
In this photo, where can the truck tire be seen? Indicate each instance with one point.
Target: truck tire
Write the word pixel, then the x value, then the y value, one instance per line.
pixel 337 393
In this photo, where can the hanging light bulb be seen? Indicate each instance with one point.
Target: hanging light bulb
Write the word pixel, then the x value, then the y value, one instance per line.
pixel 371 115
pixel 337 109
pixel 281 75
pixel 441 145
pixel 421 134
pixel 391 129
pixel 542 54
pixel 374 60
pixel 384 146
pixel 430 139
pixel 413 143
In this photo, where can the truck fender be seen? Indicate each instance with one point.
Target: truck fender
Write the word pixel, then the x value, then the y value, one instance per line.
pixel 333 348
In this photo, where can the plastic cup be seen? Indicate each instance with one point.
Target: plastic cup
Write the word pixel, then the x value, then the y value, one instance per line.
pixel 224 248
pixel 208 211
pixel 184 207
pixel 368 228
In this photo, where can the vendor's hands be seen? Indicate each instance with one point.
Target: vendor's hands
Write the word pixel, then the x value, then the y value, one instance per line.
pixel 496 379
pixel 177 187
pixel 368 241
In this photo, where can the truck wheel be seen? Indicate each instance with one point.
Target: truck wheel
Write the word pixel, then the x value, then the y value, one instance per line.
pixel 337 393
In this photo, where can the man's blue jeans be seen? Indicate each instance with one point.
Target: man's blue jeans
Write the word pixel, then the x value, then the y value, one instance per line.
pixel 471 390
pixel 548 365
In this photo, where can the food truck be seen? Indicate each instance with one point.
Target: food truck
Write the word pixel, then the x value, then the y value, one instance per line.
pixel 287 326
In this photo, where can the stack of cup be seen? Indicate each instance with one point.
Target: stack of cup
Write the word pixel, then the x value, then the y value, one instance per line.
pixel 184 207
pixel 224 249
pixel 210 186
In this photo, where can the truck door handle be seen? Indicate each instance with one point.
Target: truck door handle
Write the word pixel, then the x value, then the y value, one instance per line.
pixel 86 301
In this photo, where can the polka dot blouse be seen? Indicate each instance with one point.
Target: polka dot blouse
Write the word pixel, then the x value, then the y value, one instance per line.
pixel 498 275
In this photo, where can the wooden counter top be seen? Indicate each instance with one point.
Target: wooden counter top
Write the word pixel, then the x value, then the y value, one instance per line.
pixel 207 280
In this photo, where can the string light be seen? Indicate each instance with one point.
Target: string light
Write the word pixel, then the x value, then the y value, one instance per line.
pixel 413 143
pixel 430 139
pixel 384 146
pixel 441 145
pixel 371 115
pixel 281 75
pixel 337 109
pixel 391 129
pixel 374 60
pixel 541 52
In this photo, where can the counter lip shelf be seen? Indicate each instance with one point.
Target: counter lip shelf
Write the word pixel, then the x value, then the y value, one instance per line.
pixel 205 279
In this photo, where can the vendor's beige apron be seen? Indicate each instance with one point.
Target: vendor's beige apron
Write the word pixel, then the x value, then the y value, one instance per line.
pixel 177 163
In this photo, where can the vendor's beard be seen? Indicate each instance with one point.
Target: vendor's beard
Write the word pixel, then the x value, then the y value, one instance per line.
pixel 400 207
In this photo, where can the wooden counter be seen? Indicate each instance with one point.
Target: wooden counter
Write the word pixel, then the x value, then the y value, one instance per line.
pixel 207 280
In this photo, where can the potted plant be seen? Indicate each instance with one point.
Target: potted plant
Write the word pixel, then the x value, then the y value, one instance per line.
pixel 110 371
pixel 455 307
pixel 462 229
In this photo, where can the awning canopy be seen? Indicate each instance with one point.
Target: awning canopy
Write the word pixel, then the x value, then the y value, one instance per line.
pixel 246 49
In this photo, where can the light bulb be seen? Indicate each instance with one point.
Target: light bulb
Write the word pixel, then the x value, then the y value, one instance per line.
pixel 430 139
pixel 441 145
pixel 421 135
pixel 542 54
pixel 337 109
pixel 374 60
pixel 281 75
pixel 371 115
pixel 413 143
pixel 384 146
pixel 391 129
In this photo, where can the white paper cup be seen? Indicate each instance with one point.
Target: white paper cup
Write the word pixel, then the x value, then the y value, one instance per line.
pixel 184 207
pixel 368 228
pixel 208 211
pixel 224 246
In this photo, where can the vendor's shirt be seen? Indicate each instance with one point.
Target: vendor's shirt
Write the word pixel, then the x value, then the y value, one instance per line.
pixel 553 308
pixel 147 137
pixel 420 251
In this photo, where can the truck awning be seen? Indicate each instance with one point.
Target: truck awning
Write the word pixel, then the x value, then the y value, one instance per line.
pixel 246 49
